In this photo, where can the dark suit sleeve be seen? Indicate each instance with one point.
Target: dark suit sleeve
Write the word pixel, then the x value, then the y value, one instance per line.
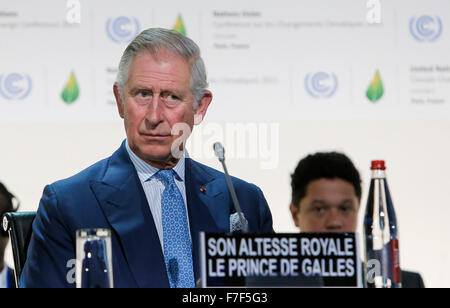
pixel 51 257
pixel 412 280
pixel 11 279
pixel 265 216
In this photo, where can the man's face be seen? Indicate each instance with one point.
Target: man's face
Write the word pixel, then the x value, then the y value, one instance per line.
pixel 330 205
pixel 156 97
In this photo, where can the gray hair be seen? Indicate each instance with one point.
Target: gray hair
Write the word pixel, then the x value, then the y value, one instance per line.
pixel 155 40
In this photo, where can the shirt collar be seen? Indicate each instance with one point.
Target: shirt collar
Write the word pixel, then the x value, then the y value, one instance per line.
pixel 146 171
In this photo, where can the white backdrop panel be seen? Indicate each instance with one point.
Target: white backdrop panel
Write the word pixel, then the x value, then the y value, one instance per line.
pixel 289 77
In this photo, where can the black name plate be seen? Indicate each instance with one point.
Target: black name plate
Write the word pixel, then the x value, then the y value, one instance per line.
pixel 277 260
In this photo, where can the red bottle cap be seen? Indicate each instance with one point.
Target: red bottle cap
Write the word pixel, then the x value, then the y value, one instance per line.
pixel 378 165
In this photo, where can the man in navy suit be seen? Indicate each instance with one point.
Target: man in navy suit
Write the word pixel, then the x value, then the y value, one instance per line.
pixel 149 193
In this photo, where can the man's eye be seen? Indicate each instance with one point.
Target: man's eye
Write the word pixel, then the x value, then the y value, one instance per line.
pixel 319 209
pixel 143 94
pixel 171 100
pixel 346 209
pixel 172 97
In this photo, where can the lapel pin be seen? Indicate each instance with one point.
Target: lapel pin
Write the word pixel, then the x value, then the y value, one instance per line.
pixel 203 189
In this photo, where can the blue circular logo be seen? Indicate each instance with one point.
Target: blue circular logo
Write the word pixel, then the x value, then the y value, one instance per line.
pixel 426 28
pixel 321 84
pixel 122 29
pixel 15 86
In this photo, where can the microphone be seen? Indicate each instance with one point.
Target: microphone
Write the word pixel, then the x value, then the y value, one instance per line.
pixel 219 151
pixel 237 220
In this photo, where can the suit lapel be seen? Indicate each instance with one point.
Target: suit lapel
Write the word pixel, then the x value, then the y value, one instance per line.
pixel 207 206
pixel 125 206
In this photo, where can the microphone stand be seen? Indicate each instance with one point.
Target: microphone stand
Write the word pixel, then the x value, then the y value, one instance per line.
pixel 220 153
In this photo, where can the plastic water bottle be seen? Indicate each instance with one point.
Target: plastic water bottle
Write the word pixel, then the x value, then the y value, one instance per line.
pixel 381 233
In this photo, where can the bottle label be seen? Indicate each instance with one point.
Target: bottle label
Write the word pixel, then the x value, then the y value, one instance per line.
pixel 396 261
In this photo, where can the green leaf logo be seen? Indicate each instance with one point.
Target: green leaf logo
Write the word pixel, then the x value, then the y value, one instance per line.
pixel 71 91
pixel 376 89
pixel 179 26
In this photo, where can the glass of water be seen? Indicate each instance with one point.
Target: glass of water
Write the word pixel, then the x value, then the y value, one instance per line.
pixel 94 259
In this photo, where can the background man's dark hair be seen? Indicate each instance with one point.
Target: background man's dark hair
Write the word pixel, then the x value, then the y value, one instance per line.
pixel 316 166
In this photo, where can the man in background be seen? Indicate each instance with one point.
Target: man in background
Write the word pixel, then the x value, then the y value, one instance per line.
pixel 326 197
pixel 6 273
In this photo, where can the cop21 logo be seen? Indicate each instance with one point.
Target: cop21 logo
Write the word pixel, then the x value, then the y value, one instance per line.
pixel 426 28
pixel 15 86
pixel 122 29
pixel 321 84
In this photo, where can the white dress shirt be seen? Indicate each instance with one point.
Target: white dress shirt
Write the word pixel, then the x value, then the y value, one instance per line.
pixel 154 188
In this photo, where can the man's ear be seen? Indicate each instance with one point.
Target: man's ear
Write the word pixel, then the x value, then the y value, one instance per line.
pixel 202 107
pixel 119 101
pixel 294 213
